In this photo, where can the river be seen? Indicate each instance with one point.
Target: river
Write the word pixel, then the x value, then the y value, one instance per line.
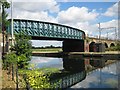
pixel 104 75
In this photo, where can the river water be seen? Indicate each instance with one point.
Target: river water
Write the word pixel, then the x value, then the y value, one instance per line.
pixel 104 75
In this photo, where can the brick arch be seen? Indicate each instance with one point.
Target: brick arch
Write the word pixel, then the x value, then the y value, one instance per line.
pixel 106 45
pixel 112 44
pixel 92 47
pixel 92 41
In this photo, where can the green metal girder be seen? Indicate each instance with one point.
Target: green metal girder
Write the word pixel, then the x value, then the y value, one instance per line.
pixel 46 29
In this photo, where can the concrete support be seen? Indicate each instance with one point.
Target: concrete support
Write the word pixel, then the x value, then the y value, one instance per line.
pixel 73 46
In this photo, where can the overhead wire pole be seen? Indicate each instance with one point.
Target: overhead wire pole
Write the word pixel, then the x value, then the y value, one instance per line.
pixel 12 21
pixel 115 34
pixel 114 31
pixel 99 32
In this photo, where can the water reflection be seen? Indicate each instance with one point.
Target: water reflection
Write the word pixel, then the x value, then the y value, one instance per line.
pixel 103 76
pixel 41 62
pixel 98 62
pixel 77 72
pixel 74 72
pixel 73 64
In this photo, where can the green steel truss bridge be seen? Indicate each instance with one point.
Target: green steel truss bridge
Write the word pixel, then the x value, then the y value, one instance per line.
pixel 73 38
pixel 40 29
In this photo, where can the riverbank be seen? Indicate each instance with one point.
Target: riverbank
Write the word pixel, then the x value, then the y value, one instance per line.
pixel 115 54
pixel 8 83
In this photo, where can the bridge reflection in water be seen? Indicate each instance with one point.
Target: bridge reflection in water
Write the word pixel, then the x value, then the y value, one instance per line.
pixel 77 71
pixel 74 72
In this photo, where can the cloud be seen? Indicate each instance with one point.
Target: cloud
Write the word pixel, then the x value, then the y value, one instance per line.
pixel 76 14
pixel 112 11
pixel 36 5
pixel 51 6
pixel 110 27
pixel 37 10
pixel 78 17
pixel 39 16
pixel 93 30
pixel 112 23
pixel 34 11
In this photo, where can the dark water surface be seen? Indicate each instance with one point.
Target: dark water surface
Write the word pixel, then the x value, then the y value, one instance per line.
pixel 99 73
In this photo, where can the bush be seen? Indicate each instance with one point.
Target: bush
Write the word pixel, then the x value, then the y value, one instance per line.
pixel 23 49
pixel 37 79
pixel 10 59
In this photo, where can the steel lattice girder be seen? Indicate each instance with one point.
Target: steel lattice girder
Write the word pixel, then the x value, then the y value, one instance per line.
pixel 46 29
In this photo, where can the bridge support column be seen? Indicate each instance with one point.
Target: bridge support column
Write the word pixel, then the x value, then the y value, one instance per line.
pixel 73 46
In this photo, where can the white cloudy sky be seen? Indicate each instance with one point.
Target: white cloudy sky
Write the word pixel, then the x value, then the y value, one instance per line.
pixel 81 15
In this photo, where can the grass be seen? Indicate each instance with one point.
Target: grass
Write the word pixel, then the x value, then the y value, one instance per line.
pixel 47 50
pixel 44 70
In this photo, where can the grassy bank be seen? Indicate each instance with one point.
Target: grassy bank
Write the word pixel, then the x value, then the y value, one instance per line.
pixel 56 73
pixel 45 70
pixel 47 50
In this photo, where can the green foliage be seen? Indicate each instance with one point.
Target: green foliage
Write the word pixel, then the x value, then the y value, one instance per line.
pixel 114 48
pixel 22 49
pixel 111 49
pixel 10 59
pixel 4 15
pixel 38 80
pixel 22 45
pixel 22 61
pixel 118 46
pixel 5 4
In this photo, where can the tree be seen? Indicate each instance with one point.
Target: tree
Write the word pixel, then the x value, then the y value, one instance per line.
pixel 118 46
pixel 23 48
pixel 4 14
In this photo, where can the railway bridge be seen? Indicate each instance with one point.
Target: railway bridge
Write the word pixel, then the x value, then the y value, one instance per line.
pixel 74 39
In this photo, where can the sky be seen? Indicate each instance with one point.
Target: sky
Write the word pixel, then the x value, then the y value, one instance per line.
pixel 79 14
